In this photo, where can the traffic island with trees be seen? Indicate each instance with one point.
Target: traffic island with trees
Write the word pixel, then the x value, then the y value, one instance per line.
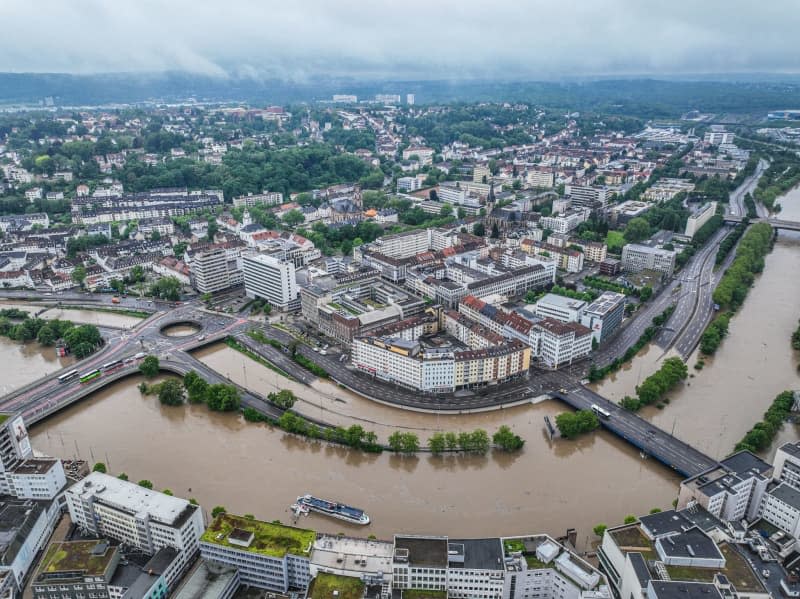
pixel 654 388
pixel 79 340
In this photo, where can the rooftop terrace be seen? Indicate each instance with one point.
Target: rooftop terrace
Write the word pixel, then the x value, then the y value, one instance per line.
pixel 330 586
pixel 90 558
pixel 274 540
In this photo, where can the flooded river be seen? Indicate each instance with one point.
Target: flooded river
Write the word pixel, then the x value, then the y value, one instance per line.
pixel 222 460
pixel 95 317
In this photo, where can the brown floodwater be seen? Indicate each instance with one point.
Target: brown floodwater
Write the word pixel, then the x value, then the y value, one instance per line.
pixel 251 468
pixel 23 363
pixel 95 317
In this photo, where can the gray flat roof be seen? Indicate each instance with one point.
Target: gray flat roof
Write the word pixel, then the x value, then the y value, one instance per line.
pixel 481 554
pixel 787 494
pixel 693 543
pixel 745 463
pixel 424 551
pixel 664 522
pixel 685 590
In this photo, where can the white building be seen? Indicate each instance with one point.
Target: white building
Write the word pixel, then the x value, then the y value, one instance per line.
pixel 560 308
pixel 564 223
pixel 260 552
pixel 269 198
pixel 38 478
pixel 15 448
pixel 561 343
pixel 209 270
pixel 267 277
pixel 604 315
pixel 716 138
pixel 699 217
pixel 636 257
pixel 104 505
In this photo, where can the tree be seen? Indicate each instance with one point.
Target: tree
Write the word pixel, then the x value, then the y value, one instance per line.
pixel 100 467
pixel 655 510
pixel 293 218
pixel 196 387
pixel 403 442
pixel 573 424
pixel 629 519
pixel 646 293
pixel 451 440
pixel 122 476
pixel 170 393
pixel 78 275
pixel 446 210
pixel 149 366
pixel 600 529
pixel 354 435
pixel 155 236
pixel 218 510
pixel 223 398
pixel 479 229
pixel 506 440
pixel 437 443
pixel 637 230
pixel 145 483
pixel 212 230
pixel 495 231
pixel 168 492
pixel 166 288
pixel 283 399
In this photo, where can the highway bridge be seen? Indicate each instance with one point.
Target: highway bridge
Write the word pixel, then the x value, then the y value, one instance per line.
pixel 647 438
pixel 776 223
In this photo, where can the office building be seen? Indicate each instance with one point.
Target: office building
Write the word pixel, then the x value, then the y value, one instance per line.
pixel 585 196
pixel 667 188
pixel 732 490
pixel 209 271
pixel 481 174
pixel 76 569
pixel 147 520
pixel 410 99
pixel 344 98
pixel 38 478
pixel 560 308
pixel 267 556
pixel 604 315
pixel 716 138
pixel 636 258
pixel 560 343
pixel 15 447
pixel 699 217
pixel 268 278
pixel 541 179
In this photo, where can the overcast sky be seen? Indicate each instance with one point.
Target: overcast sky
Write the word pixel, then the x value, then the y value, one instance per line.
pixel 506 39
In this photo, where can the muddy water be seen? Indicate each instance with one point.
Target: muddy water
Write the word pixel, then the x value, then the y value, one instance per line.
pixel 180 330
pixel 23 363
pixel 254 469
pixel 98 318
pixel 720 403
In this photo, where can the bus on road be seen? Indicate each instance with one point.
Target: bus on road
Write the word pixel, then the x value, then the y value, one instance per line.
pixel 90 376
pixel 600 411
pixel 68 376
pixel 111 365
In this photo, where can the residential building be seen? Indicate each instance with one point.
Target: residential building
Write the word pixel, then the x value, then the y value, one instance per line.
pixel 604 315
pixel 588 197
pixel 147 520
pixel 636 258
pixel 560 308
pixel 481 174
pixel 268 198
pixel 268 556
pixel 699 216
pixel 269 278
pixel 424 154
pixel 561 343
pixel 25 527
pixel 716 138
pixel 667 188
pixel 542 179
pixel 564 223
pixel 209 270
pixel 409 184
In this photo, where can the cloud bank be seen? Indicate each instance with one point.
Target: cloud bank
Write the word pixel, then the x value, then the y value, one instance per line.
pixel 419 39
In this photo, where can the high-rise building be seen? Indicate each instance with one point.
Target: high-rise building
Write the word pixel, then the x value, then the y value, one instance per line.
pixel 636 258
pixel 15 447
pixel 604 315
pixel 141 518
pixel 410 99
pixel 271 279
pixel 209 271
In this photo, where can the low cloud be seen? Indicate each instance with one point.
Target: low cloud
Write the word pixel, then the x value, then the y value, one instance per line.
pixel 504 39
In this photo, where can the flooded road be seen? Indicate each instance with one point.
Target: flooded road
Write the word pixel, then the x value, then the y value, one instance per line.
pixel 77 315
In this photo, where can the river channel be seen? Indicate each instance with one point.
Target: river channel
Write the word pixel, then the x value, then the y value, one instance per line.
pixel 550 486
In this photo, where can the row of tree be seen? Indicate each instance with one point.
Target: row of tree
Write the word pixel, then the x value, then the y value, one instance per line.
pixel 763 433
pixel 574 424
pixel 736 282
pixel 657 385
